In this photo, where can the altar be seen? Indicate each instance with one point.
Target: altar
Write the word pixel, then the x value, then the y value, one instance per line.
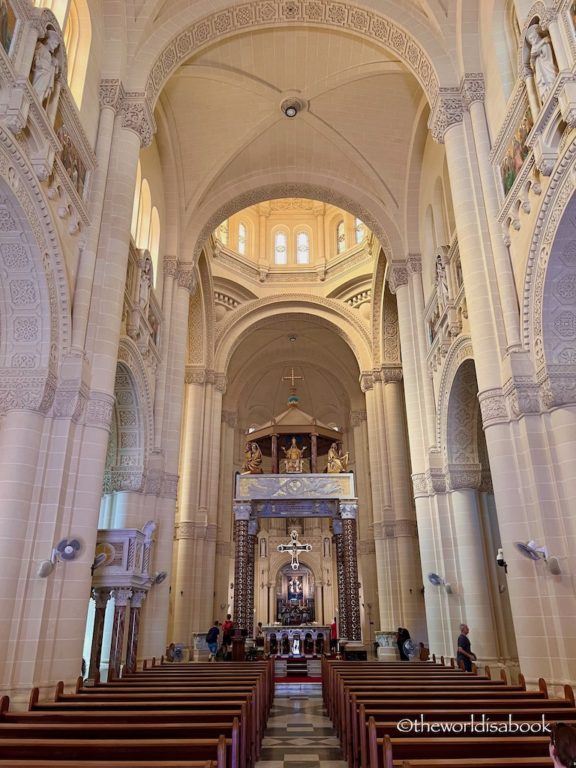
pixel 304 640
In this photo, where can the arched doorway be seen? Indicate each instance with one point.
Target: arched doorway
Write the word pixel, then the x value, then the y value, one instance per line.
pixel 295 596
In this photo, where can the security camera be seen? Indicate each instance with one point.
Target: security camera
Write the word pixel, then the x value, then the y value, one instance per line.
pixel 500 559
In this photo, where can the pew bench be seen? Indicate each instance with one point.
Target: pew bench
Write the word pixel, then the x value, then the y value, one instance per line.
pixel 62 751
pixel 385 752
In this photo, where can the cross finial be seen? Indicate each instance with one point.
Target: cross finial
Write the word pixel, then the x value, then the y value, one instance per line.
pixel 292 378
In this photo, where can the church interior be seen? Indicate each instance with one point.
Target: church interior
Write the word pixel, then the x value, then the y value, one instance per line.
pixel 287 331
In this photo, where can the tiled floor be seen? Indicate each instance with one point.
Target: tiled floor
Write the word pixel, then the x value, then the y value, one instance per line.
pixel 299 734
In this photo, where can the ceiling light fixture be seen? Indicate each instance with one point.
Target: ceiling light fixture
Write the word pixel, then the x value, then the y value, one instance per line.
pixel 291 106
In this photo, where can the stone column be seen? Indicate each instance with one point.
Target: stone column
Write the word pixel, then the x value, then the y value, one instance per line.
pixel 242 601
pixel 138 597
pixel 121 597
pixel 406 580
pixel 342 596
pixel 349 512
pixel 477 607
pixel 507 307
pixel 101 597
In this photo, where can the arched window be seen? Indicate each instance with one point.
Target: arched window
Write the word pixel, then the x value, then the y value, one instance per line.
pixel 136 205
pixel 144 215
pixel 58 8
pixel 340 237
pixel 242 239
pixel 359 230
pixel 77 39
pixel 223 232
pixel 280 248
pixel 303 248
pixel 154 241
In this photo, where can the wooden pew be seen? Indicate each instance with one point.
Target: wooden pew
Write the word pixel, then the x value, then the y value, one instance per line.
pixel 118 750
pixel 167 732
pixel 385 721
pixel 40 763
pixel 385 753
pixel 150 705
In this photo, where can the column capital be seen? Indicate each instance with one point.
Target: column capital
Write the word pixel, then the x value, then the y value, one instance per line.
pixel 136 113
pixel 464 476
pixel 446 113
pixel 348 510
pixel 170 266
pixel 121 596
pixel 391 373
pixel 230 418
pixel 366 381
pixel 137 116
pixel 186 277
pixel 111 92
pixel 472 88
pixel 397 275
pixel 414 263
pixel 195 374
pixel 241 510
pixel 220 382
pixel 100 595
pixel 138 597
pixel 357 418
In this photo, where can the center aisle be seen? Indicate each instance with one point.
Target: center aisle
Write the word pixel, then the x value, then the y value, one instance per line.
pixel 299 734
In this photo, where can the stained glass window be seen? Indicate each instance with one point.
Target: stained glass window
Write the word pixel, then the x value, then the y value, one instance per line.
pixel 340 238
pixel 302 248
pixel 280 248
pixel 242 239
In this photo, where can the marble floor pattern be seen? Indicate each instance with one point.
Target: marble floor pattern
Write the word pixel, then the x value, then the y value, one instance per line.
pixel 299 734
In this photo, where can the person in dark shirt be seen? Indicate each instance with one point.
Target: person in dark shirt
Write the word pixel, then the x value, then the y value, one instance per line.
pixel 464 656
pixel 563 745
pixel 401 636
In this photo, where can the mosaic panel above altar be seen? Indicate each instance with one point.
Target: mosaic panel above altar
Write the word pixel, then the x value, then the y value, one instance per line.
pixel 291 487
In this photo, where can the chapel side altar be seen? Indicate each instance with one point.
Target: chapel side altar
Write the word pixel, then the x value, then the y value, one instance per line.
pixel 304 640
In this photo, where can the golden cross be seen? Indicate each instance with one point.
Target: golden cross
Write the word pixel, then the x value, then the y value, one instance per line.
pixel 292 378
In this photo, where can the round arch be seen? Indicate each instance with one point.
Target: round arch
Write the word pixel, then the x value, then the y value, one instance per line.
pixel 549 322
pixel 420 49
pixel 34 297
pixel 343 320
pixel 250 192
pixel 446 420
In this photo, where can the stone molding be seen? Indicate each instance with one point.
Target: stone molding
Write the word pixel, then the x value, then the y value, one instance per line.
pixel 190 529
pixel 391 374
pixel 271 13
pixel 493 407
pixel 447 112
pixel 414 263
pixel 138 597
pixel 366 381
pixel 357 418
pixel 170 266
pixel 99 410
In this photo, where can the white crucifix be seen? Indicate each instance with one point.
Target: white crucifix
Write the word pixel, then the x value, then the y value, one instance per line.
pixel 294 547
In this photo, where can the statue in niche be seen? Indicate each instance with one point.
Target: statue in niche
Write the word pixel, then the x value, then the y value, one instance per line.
pixel 145 283
pixel 337 462
pixel 293 461
pixel 252 460
pixel 541 60
pixel 441 283
pixel 45 66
